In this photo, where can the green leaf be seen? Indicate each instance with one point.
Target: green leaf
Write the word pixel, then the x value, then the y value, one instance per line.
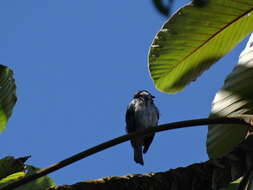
pixel 11 178
pixel 234 185
pixel 7 95
pixel 233 99
pixel 194 38
pixel 38 184
pixel 10 165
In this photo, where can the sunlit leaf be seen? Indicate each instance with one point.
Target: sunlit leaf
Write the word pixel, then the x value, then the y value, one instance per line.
pixel 38 184
pixel 7 95
pixel 10 165
pixel 234 98
pixel 11 178
pixel 233 186
pixel 194 38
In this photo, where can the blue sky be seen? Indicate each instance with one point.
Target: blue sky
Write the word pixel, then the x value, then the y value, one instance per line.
pixel 77 64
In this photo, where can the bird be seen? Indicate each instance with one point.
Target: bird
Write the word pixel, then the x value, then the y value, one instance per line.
pixel 141 113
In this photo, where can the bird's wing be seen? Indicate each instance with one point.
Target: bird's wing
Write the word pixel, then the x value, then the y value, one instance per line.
pixel 147 143
pixel 130 119
pixel 148 140
pixel 157 114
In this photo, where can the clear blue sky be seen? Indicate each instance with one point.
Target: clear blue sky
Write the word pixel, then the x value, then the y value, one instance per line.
pixel 77 64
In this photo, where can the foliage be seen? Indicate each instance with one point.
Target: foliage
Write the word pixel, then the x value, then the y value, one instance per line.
pixel 234 185
pixel 194 38
pixel 13 169
pixel 234 98
pixel 164 10
pixel 7 95
pixel 10 165
pixel 189 42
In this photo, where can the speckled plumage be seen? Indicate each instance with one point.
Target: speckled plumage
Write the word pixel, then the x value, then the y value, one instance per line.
pixel 141 113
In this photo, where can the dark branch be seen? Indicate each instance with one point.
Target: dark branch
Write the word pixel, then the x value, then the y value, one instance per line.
pixel 121 139
pixel 209 175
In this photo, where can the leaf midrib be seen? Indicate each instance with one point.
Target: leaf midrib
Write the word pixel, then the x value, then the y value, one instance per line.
pixel 213 36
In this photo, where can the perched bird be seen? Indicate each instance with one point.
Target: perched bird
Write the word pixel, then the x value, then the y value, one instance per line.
pixel 141 113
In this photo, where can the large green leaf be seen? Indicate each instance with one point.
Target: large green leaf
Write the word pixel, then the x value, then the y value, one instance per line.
pixel 194 38
pixel 7 95
pixel 234 98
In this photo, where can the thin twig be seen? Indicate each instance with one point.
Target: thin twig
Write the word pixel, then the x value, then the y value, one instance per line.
pixel 118 140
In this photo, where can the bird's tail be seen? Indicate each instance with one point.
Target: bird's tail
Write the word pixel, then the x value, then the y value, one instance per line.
pixel 138 155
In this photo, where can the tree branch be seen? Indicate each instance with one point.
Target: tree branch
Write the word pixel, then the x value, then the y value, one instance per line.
pixel 121 139
pixel 209 175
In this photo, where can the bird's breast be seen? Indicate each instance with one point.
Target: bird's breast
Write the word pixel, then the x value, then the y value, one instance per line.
pixel 146 115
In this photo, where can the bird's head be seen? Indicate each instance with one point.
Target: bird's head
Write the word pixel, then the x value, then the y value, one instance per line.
pixel 144 95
